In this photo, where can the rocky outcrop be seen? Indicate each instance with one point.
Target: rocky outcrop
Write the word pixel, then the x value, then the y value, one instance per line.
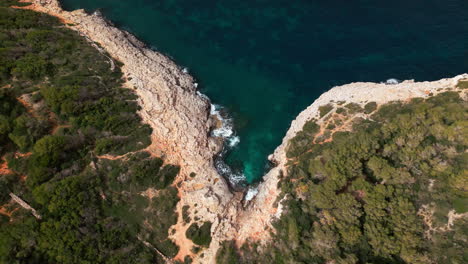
pixel 262 210
pixel 364 92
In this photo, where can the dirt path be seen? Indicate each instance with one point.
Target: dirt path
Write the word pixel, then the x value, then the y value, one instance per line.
pixel 4 170
pixel 116 157
pixel 57 127
pixel 6 212
pixel 27 105
pixel 347 122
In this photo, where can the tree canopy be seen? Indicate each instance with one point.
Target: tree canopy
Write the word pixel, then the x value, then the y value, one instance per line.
pixel 61 108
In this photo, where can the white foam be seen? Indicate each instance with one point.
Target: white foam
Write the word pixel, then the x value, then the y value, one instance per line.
pixel 185 70
pixel 224 131
pixel 214 110
pixel 251 193
pixel 226 171
pixel 200 94
pixel 98 13
pixel 233 141
pixel 227 129
pixel 392 81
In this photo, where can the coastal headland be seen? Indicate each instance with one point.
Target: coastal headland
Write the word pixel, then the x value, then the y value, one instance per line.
pixel 180 118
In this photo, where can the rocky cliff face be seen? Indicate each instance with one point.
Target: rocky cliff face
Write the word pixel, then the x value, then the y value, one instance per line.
pixel 178 114
pixel 181 126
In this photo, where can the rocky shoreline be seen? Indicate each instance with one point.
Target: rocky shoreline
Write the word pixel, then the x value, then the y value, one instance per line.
pixel 178 114
pixel 181 122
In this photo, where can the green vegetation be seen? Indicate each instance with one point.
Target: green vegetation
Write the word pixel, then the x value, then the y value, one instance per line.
pixel 200 235
pixel 8 3
pixel 228 253
pixel 185 214
pixel 370 107
pixel 368 195
pixel 325 109
pixel 301 143
pixel 61 107
pixel 353 108
pixel 463 84
pixel 341 110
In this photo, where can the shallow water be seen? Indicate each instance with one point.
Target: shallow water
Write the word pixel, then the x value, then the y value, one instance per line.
pixel 265 61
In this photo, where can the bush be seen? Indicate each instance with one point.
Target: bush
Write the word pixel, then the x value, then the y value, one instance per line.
pixel 341 110
pixel 48 150
pixel 463 84
pixel 200 235
pixel 26 130
pixel 370 107
pixel 32 66
pixel 4 191
pixel 227 253
pixel 104 145
pixel 166 176
pixel 185 214
pixel 354 108
pixel 325 109
pixel 302 141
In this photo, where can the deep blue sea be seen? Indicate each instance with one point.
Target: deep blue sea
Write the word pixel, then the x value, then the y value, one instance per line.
pixel 265 61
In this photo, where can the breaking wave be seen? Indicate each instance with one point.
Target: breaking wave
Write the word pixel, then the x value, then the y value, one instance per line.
pixel 251 193
pixel 236 179
pixel 392 81
pixel 225 130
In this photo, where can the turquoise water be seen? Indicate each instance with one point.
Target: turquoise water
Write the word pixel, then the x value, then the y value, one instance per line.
pixel 265 61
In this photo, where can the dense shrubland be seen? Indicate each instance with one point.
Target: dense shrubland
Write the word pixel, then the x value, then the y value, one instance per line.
pixel 383 193
pixel 61 108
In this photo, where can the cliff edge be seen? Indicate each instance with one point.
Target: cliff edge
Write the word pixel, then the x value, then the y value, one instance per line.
pixel 265 207
pixel 170 104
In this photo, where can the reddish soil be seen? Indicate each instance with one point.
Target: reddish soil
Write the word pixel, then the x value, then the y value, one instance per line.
pixel 185 244
pixel 57 127
pixel 6 212
pixel 27 154
pixel 4 170
pixel 28 106
pixel 39 8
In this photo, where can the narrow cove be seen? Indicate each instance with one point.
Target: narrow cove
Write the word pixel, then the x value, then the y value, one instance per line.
pixel 265 61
